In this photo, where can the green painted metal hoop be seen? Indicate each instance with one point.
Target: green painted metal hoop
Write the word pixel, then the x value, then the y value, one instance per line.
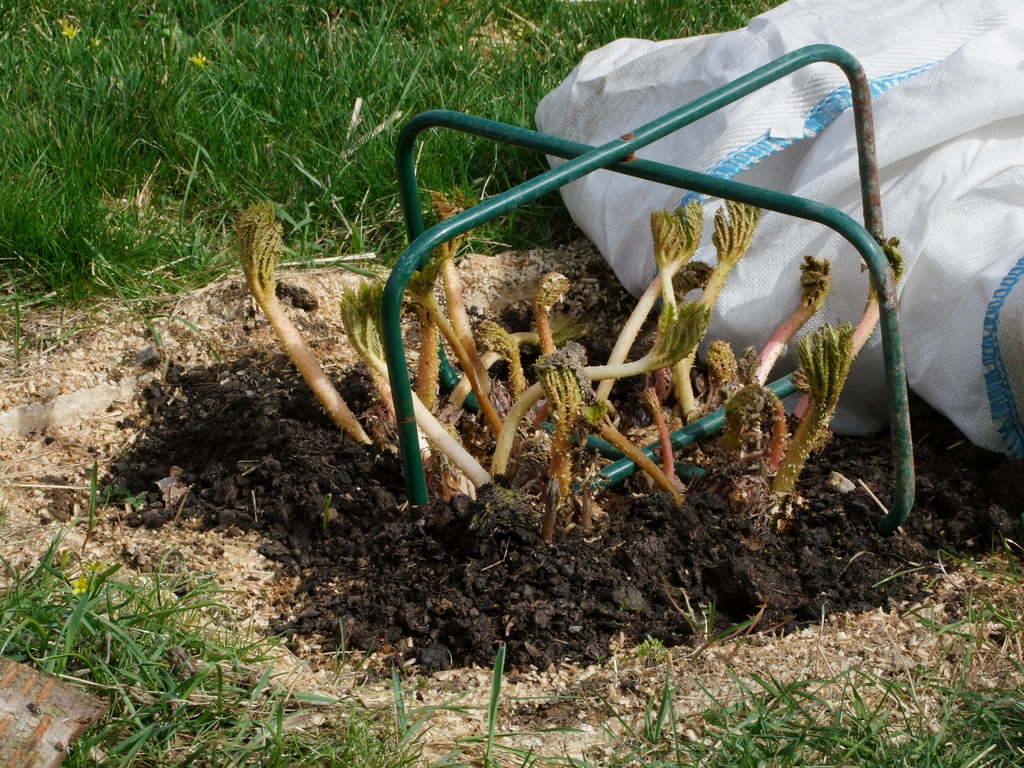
pixel 616 156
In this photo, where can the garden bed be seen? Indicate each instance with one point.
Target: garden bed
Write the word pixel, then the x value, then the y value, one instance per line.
pixel 198 424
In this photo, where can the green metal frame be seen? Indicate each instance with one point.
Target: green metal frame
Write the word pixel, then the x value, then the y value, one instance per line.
pixel 618 156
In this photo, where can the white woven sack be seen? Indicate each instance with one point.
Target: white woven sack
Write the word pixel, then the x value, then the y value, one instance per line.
pixel 948 83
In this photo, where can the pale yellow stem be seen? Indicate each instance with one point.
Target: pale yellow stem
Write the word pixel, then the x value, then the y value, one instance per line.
pixel 436 432
pixel 684 387
pixel 503 447
pixel 464 356
pixel 308 365
pixel 463 388
pixel 629 332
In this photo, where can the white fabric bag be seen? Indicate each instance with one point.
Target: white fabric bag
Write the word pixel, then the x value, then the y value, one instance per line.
pixel 947 78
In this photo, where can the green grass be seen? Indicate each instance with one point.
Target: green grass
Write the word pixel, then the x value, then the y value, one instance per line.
pixel 922 718
pixel 185 685
pixel 793 725
pixel 133 132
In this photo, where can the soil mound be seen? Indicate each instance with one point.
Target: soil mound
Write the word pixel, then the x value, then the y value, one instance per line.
pixel 445 583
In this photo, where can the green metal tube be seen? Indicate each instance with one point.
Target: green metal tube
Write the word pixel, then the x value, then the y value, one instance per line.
pixel 707 425
pixel 864 127
pixel 713 101
pixel 586 159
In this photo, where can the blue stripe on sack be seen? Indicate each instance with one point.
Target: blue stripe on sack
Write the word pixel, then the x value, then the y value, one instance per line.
pixel 817 119
pixel 1005 411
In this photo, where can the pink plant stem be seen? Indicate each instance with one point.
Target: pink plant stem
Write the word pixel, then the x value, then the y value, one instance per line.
pixel 866 324
pixel 777 343
pixel 662 379
pixel 668 464
pixel 542 414
pixel 667 457
pixel 863 331
pixel 801 407
pixel 586 513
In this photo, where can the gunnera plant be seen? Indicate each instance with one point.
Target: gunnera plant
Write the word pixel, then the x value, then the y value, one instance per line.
pixel 259 247
pixel 562 398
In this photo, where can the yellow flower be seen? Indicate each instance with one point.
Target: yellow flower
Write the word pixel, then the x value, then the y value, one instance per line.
pixel 95 42
pixel 199 60
pixel 80 585
pixel 69 29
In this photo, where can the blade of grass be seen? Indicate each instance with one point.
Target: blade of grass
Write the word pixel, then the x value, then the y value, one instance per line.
pixel 492 703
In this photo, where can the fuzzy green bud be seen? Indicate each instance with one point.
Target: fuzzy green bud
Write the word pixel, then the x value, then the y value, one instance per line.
pixel 814 280
pixel 360 314
pixel 891 249
pixel 667 234
pixel 692 219
pixel 825 357
pixel 567 389
pixel 735 224
pixel 721 363
pixel 693 276
pixel 680 330
pixel 552 289
pixel 260 242
pixel 492 336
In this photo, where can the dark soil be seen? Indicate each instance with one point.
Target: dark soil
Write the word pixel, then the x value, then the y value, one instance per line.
pixel 447 582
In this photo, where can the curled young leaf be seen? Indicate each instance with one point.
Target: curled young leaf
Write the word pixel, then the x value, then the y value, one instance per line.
pixel 567 389
pixel 595 412
pixel 360 314
pixel 680 330
pixel 721 364
pixel 552 289
pixel 825 359
pixel 891 249
pixel 693 276
pixel 572 357
pixel 492 336
pixel 814 281
pixel 692 219
pixel 259 247
pixel 735 224
pixel 445 207
pixel 422 282
pixel 667 233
